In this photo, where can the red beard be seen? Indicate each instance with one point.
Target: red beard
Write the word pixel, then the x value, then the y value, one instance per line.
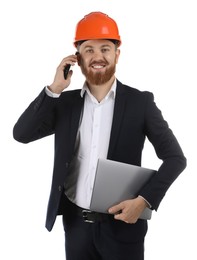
pixel 98 78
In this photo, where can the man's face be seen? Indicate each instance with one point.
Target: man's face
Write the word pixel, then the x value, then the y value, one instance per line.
pixel 98 59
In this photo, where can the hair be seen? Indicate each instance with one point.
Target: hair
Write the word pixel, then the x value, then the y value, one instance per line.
pixel 115 42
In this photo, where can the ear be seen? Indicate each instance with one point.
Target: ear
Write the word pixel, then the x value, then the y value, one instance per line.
pixel 78 58
pixel 117 55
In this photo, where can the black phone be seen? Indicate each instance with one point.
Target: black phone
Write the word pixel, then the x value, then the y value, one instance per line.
pixel 67 68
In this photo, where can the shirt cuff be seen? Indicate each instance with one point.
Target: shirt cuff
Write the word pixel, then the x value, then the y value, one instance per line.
pixel 146 201
pixel 51 94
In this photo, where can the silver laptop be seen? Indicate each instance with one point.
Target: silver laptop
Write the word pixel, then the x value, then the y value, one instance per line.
pixel 116 182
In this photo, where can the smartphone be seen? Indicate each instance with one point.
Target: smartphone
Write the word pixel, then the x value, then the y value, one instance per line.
pixel 67 68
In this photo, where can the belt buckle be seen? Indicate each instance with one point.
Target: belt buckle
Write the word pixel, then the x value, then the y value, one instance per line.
pixel 86 214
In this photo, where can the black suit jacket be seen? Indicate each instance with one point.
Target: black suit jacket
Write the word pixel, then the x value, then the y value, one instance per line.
pixel 136 116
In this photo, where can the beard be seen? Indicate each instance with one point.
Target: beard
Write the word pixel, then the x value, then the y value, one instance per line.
pixel 97 78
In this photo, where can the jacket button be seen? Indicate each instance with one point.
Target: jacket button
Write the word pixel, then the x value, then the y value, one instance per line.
pixel 67 164
pixel 60 188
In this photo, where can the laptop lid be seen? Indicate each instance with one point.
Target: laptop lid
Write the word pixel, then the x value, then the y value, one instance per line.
pixel 116 182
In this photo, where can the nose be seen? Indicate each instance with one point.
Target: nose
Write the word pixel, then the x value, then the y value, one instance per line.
pixel 97 55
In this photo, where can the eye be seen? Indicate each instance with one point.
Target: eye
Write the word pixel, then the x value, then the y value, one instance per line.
pixel 89 51
pixel 104 50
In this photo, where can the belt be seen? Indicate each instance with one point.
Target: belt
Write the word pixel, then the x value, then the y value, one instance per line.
pixel 91 216
pixel 86 214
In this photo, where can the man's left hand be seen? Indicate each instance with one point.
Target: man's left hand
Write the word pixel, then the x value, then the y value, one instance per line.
pixel 129 210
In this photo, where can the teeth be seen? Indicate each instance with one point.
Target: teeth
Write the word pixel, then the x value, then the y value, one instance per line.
pixel 98 67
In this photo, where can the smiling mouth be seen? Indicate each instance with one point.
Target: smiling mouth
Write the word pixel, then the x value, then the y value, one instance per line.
pixel 97 66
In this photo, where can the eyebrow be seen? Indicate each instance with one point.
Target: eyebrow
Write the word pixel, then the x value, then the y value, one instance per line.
pixel 104 45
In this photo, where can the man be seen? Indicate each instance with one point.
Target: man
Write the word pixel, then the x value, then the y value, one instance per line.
pixel 104 119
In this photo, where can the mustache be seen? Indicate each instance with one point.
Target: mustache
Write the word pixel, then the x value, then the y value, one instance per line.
pixel 99 62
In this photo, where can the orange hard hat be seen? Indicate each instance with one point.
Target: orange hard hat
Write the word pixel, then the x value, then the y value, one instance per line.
pixel 96 25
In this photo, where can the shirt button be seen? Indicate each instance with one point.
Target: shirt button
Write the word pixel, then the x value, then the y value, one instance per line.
pixel 60 188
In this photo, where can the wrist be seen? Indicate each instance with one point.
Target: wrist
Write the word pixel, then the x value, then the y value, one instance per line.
pixel 55 89
pixel 50 93
pixel 148 205
pixel 143 204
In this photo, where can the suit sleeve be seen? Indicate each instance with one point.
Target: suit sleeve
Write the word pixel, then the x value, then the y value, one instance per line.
pixel 167 149
pixel 37 120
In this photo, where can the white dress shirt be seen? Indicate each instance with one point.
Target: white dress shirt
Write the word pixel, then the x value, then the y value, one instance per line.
pixel 92 143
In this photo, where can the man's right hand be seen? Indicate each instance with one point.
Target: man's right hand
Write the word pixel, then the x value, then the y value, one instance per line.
pixel 60 83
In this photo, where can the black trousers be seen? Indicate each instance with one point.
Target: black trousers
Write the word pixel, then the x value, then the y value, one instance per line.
pixel 108 239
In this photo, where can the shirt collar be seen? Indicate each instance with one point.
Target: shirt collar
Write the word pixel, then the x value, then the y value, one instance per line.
pixel 112 91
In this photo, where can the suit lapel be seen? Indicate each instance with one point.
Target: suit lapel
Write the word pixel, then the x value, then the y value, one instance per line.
pixel 75 118
pixel 117 117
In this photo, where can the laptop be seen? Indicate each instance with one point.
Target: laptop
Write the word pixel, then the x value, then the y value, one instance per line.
pixel 116 182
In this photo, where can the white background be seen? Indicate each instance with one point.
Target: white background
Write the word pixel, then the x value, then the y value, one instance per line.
pixel 158 54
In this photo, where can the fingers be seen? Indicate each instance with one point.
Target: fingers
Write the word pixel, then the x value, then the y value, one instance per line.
pixel 127 217
pixel 60 83
pixel 72 59
pixel 122 216
pixel 119 212
pixel 125 211
pixel 116 209
pixel 69 74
